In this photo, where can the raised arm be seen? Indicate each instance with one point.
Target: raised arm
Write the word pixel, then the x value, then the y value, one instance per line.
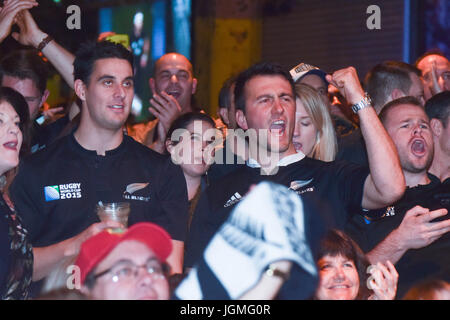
pixel 9 12
pixel 386 182
pixel 31 35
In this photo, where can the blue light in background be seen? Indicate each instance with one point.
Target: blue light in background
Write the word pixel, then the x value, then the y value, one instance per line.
pixel 406 30
pixel 182 27
pixel 158 29
pixel 105 21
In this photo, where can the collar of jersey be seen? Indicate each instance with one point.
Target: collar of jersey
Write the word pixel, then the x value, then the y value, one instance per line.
pixel 252 163
pixel 91 153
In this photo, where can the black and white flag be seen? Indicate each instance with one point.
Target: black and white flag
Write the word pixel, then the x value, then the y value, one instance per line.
pixel 267 226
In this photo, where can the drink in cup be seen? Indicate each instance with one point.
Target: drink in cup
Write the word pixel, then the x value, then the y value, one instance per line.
pixel 114 211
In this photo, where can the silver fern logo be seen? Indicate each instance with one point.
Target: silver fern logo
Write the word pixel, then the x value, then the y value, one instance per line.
pixel 297 184
pixel 133 188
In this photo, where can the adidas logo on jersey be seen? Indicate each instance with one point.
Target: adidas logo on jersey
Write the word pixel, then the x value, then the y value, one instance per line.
pixel 390 211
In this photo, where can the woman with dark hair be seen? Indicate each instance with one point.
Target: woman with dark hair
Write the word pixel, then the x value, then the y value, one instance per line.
pixel 187 140
pixel 16 263
pixel 343 271
pixel 20 105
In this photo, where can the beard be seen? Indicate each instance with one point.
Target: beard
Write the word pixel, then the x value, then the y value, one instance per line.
pixel 411 166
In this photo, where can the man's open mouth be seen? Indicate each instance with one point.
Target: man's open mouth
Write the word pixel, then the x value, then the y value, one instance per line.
pixel 418 147
pixel 278 127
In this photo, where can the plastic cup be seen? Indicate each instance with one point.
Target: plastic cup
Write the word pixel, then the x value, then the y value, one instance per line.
pixel 114 211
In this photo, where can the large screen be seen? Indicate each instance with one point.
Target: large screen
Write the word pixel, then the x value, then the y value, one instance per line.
pixel 153 28
pixel 437 25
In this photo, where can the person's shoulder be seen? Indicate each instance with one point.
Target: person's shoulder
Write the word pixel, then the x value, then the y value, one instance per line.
pixel 44 156
pixel 235 175
pixel 143 150
pixel 140 131
pixel 335 167
pixel 231 180
pixel 308 163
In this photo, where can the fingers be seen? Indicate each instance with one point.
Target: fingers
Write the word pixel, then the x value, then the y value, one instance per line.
pixel 48 114
pixel 392 269
pixel 436 87
pixel 390 275
pixel 384 280
pixel 330 79
pixel 376 278
pixel 15 36
pixel 172 101
pixel 166 101
pixel 346 80
pixel 155 112
pixel 436 214
pixel 416 211
pixel 436 234
pixel 166 108
pixel 15 6
pixel 100 226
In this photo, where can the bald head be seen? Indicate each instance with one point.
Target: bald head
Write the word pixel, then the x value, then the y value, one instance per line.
pixel 173 59
pixel 441 67
pixel 173 74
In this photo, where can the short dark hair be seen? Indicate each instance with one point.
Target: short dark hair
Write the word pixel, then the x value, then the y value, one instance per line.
pixel 18 102
pixel 259 69
pixel 382 79
pixel 224 93
pixel 25 64
pixel 432 52
pixel 336 243
pixel 394 103
pixel 438 107
pixel 92 51
pixel 184 120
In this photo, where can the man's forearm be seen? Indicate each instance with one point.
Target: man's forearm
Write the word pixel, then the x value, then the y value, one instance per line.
pixel 175 260
pixel 386 176
pixel 59 57
pixel 389 249
pixel 47 258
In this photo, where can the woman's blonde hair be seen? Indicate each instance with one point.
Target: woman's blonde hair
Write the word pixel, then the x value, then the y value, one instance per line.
pixel 325 147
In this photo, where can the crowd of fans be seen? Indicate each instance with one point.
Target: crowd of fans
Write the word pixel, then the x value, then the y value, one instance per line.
pixel 307 184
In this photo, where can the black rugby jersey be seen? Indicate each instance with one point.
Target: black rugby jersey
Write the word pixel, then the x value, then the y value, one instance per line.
pixel 57 189
pixel 335 188
pixel 373 226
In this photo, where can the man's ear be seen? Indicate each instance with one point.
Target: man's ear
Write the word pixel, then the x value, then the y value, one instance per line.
pixel 436 127
pixel 80 89
pixel 194 85
pixel 397 93
pixel 169 146
pixel 241 120
pixel 223 113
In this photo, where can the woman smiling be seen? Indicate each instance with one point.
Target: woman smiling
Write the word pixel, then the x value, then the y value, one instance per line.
pixel 16 264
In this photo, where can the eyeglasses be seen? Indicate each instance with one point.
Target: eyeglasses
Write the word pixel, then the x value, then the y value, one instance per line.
pixel 127 270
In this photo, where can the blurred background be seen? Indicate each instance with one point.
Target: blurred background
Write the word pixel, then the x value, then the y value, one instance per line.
pixel 222 37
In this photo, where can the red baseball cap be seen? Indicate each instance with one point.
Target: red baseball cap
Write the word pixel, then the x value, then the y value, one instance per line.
pixel 96 248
